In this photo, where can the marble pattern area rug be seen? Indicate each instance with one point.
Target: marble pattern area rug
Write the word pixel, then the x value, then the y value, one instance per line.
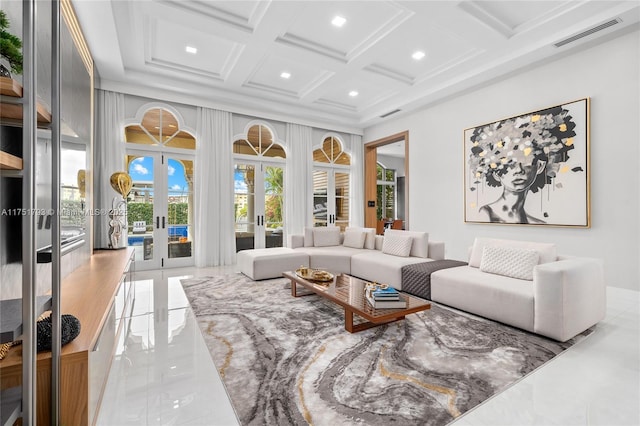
pixel 289 361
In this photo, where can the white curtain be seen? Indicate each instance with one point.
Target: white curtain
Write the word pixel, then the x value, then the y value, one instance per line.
pixel 298 200
pixel 356 183
pixel 109 158
pixel 215 242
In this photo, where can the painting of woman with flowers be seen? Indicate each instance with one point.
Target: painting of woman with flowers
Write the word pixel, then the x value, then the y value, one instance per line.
pixel 530 169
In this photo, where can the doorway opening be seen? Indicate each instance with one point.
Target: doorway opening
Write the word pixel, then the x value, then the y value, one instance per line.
pixel 386 172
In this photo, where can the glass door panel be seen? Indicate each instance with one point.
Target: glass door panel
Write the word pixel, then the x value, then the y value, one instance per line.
pixel 259 205
pixel 342 200
pixel 330 198
pixel 140 208
pixel 273 205
pixel 320 197
pixel 244 203
pixel 180 207
pixel 160 209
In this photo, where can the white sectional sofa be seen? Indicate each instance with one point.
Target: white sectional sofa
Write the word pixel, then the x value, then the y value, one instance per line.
pixel 362 253
pixel 526 285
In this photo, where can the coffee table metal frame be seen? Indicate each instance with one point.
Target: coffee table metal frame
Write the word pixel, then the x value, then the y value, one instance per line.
pixel 348 292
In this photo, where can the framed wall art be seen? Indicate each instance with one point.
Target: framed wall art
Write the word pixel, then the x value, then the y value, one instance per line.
pixel 530 169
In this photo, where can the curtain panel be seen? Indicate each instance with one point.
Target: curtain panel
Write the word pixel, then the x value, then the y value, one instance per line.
pixel 109 158
pixel 298 199
pixel 356 183
pixel 215 244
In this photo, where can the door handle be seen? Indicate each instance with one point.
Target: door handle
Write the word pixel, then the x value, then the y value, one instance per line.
pixel 157 222
pixel 163 222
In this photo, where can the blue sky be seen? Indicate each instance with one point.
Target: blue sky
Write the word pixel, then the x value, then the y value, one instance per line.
pixel 141 169
pixel 239 184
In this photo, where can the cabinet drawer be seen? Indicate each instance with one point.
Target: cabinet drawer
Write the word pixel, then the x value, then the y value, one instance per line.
pixel 121 298
pixel 100 361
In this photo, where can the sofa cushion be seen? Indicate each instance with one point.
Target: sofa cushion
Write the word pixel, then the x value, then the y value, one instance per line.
pixel 420 246
pixel 354 238
pixel 509 261
pixel 370 241
pixel 373 265
pixel 499 298
pixel 547 252
pixel 336 260
pixel 326 237
pixel 397 245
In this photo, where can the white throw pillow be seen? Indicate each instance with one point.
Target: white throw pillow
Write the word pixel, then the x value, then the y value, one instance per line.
pixel 325 237
pixel 370 241
pixel 397 245
pixel 420 245
pixel 509 261
pixel 546 251
pixel 354 238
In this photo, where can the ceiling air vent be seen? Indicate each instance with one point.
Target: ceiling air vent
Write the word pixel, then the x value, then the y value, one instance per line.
pixel 588 32
pixel 389 113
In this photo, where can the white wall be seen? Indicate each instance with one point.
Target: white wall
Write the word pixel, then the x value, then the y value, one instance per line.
pixel 609 74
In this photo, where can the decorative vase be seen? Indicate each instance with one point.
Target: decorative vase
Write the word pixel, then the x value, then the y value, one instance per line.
pixel 117 221
pixel 122 184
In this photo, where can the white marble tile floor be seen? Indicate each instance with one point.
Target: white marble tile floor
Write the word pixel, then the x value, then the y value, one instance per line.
pixel 162 373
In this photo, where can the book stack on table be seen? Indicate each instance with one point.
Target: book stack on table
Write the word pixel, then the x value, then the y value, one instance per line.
pixel 388 298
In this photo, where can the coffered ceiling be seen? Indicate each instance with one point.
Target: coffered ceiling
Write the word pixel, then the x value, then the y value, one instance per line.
pixel 244 47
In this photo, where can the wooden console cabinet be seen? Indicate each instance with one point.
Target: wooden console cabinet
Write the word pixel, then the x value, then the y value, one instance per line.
pixel 99 294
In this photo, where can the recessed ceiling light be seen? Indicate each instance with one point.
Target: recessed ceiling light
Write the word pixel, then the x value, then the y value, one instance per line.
pixel 191 49
pixel 353 93
pixel 285 75
pixel 418 54
pixel 338 21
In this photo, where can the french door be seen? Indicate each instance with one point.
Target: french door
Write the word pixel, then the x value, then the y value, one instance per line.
pixel 259 204
pixel 160 209
pixel 330 197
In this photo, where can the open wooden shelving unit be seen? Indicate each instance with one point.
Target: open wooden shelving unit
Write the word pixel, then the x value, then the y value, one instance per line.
pixel 10 162
pixel 12 111
pixel 102 282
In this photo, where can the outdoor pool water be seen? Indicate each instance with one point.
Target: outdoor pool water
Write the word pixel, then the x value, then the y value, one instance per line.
pixel 174 231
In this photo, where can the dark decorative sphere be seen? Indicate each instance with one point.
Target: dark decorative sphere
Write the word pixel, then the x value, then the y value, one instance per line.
pixel 70 328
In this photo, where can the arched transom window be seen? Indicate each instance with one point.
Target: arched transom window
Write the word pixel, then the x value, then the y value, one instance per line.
pixel 331 152
pixel 259 142
pixel 159 127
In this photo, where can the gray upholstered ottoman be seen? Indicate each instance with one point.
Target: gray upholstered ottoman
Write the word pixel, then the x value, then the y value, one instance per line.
pixel 260 264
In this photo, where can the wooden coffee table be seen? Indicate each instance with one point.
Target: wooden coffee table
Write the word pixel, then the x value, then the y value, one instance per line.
pixel 348 292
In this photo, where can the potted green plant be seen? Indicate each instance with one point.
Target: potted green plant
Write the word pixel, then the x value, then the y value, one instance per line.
pixel 10 48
